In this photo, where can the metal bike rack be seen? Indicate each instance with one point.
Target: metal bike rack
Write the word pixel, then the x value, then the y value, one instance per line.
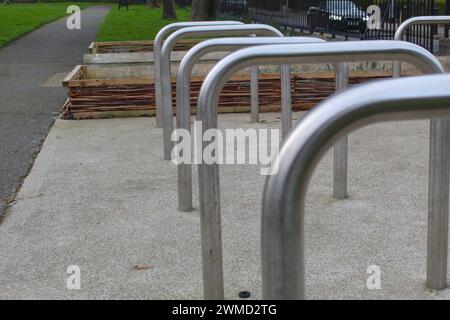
pixel 157 46
pixel 396 67
pixel 183 113
pixel 336 52
pixel 284 195
pixel 207 31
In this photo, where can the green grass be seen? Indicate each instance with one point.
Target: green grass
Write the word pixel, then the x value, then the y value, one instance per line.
pixel 19 19
pixel 138 23
pixel 441 5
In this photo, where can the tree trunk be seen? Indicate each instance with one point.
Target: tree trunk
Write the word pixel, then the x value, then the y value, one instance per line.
pixel 203 10
pixel 168 9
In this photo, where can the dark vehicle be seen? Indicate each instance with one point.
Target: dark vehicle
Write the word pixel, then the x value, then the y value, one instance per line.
pixel 339 15
pixel 238 7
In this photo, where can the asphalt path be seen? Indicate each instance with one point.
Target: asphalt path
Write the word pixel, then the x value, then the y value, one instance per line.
pixel 27 107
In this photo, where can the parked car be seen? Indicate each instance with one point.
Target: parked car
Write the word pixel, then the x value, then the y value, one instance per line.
pixel 236 6
pixel 339 15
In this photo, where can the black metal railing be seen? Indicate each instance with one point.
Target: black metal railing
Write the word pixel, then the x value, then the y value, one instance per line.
pixel 360 19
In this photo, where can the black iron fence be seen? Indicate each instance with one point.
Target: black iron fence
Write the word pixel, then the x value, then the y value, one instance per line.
pixel 362 19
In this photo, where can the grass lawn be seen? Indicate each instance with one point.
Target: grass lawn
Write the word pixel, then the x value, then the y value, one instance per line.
pixel 18 19
pixel 138 23
pixel 441 5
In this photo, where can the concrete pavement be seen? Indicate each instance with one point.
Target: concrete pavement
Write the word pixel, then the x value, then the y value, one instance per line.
pixel 100 197
pixel 27 108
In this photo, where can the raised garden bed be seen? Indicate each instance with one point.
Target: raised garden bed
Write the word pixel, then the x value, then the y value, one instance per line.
pixel 138 52
pixel 129 92
pixel 135 46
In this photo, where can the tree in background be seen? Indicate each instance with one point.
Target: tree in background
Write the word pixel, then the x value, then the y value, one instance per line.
pixel 183 3
pixel 168 9
pixel 153 3
pixel 203 10
pixel 123 3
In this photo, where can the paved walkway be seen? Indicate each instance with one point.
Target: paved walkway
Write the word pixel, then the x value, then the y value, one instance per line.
pixel 27 110
pixel 100 197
